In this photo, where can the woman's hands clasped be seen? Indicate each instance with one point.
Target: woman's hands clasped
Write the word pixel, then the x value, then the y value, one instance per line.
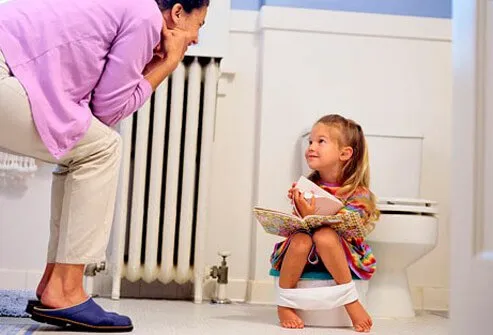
pixel 171 50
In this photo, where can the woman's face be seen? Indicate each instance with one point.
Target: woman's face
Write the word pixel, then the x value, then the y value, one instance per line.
pixel 189 22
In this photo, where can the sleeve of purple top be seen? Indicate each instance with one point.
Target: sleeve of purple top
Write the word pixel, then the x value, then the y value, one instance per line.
pixel 122 89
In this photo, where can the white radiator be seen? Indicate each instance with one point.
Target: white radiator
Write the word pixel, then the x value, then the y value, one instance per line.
pixel 161 208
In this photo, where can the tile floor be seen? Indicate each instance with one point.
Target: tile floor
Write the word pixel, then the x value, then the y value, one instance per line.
pixel 185 318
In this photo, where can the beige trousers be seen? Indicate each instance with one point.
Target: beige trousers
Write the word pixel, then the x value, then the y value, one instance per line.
pixel 84 182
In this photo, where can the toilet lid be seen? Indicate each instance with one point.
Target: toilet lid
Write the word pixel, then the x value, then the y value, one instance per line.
pixel 409 206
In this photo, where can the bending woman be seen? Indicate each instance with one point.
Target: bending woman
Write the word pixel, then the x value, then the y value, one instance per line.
pixel 70 71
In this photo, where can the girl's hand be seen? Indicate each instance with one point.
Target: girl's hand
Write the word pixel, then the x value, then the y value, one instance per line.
pixel 304 207
pixel 291 190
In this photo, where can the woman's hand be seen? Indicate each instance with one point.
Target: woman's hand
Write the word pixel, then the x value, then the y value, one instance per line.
pixel 153 64
pixel 175 43
pixel 167 55
pixel 304 207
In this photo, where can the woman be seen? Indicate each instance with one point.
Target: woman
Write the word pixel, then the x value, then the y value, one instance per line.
pixel 69 71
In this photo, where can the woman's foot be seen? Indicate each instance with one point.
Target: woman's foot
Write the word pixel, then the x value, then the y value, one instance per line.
pixel 58 298
pixel 361 319
pixel 288 318
pixel 64 289
pixel 44 280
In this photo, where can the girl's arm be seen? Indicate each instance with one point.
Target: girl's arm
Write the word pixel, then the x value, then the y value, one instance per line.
pixel 357 209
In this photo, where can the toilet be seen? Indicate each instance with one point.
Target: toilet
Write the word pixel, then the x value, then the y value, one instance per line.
pixel 406 231
pixel 408 226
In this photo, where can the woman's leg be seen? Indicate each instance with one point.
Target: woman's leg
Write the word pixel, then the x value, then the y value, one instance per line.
pixel 90 184
pixel 57 192
pixel 292 267
pixel 89 197
pixel 330 250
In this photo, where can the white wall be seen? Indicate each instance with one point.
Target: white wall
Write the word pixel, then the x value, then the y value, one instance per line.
pixel 390 73
pixel 24 230
pixel 230 227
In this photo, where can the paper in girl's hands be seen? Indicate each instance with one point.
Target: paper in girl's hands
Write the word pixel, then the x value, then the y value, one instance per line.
pixel 325 203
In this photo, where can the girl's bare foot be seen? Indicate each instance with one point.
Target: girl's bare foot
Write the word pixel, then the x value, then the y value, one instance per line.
pixel 361 319
pixel 288 318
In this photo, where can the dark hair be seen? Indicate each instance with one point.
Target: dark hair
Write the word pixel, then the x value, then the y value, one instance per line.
pixel 188 5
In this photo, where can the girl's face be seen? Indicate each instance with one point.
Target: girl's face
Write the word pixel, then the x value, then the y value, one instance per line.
pixel 324 153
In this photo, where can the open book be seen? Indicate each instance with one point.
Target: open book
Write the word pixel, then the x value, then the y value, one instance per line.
pixel 282 224
pixel 325 203
pixel 347 225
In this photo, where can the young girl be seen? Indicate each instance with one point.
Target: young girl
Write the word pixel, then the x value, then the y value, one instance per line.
pixel 338 156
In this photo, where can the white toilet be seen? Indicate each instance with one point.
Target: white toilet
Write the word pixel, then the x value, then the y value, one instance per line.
pixel 408 226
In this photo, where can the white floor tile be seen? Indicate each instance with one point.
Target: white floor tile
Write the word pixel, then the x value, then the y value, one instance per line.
pixel 185 318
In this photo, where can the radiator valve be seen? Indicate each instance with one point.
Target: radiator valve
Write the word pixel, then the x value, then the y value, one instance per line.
pixel 221 273
pixel 92 269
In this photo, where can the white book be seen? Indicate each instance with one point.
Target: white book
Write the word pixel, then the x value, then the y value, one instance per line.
pixel 325 203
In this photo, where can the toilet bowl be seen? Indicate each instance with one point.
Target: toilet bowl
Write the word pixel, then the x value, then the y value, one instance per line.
pixel 406 231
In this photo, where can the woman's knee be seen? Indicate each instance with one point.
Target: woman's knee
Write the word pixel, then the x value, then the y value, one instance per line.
pixel 301 243
pixel 326 237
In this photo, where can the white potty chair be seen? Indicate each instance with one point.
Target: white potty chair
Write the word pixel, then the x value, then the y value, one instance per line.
pixel 318 301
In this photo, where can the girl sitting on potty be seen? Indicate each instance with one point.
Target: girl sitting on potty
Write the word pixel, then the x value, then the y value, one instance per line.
pixel 338 156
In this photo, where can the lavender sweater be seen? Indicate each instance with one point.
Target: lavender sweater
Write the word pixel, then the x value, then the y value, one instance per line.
pixel 77 59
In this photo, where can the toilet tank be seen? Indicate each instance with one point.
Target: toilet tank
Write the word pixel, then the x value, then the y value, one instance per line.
pixel 395 164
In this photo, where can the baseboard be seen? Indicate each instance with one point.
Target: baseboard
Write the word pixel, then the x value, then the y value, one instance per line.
pixel 424 298
pixel 261 292
pixel 236 290
pixel 19 279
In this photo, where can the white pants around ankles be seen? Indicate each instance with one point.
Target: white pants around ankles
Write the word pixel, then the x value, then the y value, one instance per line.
pixel 84 181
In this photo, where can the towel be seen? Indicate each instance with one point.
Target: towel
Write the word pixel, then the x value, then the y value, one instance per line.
pixel 13 166
pixel 13 303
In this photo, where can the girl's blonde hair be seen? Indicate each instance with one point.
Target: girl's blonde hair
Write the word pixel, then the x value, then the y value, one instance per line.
pixel 356 171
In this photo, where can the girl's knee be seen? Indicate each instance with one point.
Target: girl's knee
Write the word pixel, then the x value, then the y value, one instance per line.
pixel 326 237
pixel 301 242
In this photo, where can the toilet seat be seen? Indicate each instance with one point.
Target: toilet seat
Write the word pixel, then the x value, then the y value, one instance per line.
pixel 407 206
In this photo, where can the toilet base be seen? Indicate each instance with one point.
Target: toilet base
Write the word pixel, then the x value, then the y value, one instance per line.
pixel 389 295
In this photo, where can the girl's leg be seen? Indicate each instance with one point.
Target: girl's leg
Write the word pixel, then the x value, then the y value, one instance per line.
pixel 330 250
pixel 291 269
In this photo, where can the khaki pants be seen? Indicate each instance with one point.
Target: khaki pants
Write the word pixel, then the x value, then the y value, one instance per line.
pixel 84 181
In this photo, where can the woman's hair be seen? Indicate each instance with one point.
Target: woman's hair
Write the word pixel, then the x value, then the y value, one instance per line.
pixel 188 5
pixel 356 171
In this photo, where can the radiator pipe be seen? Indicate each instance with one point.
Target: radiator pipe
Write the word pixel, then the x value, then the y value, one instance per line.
pixel 221 273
